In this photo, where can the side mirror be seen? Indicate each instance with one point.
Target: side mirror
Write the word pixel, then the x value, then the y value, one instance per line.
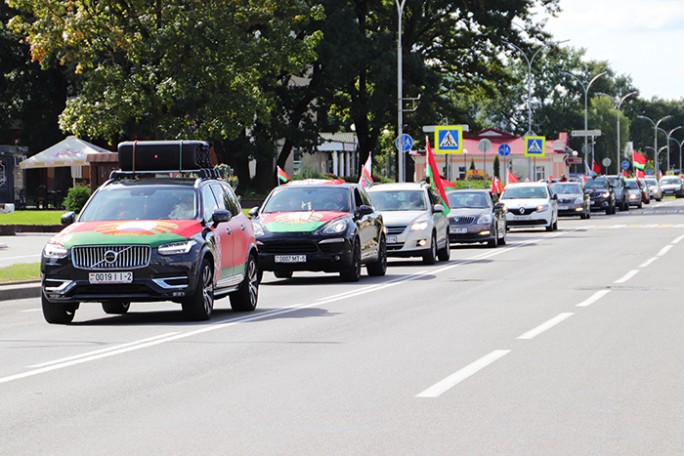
pixel 554 197
pixel 438 208
pixel 68 218
pixel 253 212
pixel 499 206
pixel 365 209
pixel 221 216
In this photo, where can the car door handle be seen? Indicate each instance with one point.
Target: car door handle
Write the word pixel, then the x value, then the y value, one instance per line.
pixel 228 230
pixel 242 227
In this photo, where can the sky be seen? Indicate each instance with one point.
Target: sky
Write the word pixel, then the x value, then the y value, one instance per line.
pixel 643 39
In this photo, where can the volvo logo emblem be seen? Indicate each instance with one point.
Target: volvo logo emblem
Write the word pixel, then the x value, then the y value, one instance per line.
pixel 521 210
pixel 110 256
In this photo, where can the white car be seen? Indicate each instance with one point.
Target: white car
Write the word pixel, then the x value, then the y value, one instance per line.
pixel 414 219
pixel 6 208
pixel 531 204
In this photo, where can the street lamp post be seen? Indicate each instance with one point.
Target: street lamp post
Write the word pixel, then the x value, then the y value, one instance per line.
pixel 400 115
pixel 655 138
pixel 585 88
pixel 656 154
pixel 528 83
pixel 680 151
pixel 669 133
pixel 618 100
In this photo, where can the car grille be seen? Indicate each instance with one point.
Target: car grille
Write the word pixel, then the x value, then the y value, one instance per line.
pixel 395 230
pixel 461 221
pixel 106 257
pixel 566 200
pixel 288 247
pixel 522 210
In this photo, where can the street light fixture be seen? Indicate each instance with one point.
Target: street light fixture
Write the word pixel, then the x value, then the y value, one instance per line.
pixel 656 154
pixel 585 88
pixel 618 100
pixel 655 138
pixel 528 83
pixel 669 133
pixel 400 96
pixel 679 143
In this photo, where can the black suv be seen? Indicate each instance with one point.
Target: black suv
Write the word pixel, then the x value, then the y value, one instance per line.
pixel 621 193
pixel 601 194
pixel 318 225
pixel 151 235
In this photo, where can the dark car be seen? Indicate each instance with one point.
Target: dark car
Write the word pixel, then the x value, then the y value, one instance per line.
pixel 601 194
pixel 621 196
pixel 475 218
pixel 573 199
pixel 144 237
pixel 316 225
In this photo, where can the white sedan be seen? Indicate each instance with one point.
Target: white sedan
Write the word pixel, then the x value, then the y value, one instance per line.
pixel 531 204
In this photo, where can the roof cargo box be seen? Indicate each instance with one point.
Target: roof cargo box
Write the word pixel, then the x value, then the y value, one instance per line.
pixel 146 156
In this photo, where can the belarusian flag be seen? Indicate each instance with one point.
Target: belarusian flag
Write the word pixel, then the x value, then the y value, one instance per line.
pixel 282 176
pixel 432 172
pixel 512 178
pixel 596 168
pixel 638 160
pixel 639 173
pixel 366 179
pixel 497 186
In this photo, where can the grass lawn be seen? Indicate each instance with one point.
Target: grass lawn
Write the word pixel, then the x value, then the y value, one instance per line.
pixel 19 272
pixel 31 218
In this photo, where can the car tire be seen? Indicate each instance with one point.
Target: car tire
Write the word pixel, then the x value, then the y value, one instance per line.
pixel 200 304
pixel 116 307
pixel 640 205
pixel 379 267
pixel 445 252
pixel 282 273
pixel 353 273
pixel 245 298
pixel 431 256
pixel 549 227
pixel 555 225
pixel 502 239
pixel 57 314
pixel 495 240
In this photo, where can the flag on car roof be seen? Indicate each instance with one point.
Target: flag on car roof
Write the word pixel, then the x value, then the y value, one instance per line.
pixel 638 160
pixel 639 173
pixel 366 179
pixel 282 176
pixel 497 186
pixel 432 172
pixel 625 173
pixel 447 184
pixel 596 168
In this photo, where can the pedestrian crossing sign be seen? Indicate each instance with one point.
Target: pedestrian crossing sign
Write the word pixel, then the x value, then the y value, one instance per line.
pixel 535 146
pixel 449 139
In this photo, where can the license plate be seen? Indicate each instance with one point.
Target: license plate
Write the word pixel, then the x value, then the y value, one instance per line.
pixel 521 217
pixel 391 239
pixel 563 208
pixel 290 258
pixel 110 277
pixel 459 230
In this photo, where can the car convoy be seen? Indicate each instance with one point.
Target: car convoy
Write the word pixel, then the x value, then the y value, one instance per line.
pixel 167 227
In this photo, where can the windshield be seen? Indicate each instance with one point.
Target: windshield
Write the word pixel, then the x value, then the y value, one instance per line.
pixel 524 193
pixel 564 189
pixel 399 200
pixel 141 203
pixel 596 184
pixel 459 200
pixel 632 185
pixel 308 198
pixel 651 182
pixel 670 180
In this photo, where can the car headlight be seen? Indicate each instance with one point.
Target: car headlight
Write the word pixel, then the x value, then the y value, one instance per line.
pixel 605 194
pixel 542 207
pixel 258 228
pixel 484 219
pixel 176 248
pixel 55 251
pixel 419 226
pixel 335 227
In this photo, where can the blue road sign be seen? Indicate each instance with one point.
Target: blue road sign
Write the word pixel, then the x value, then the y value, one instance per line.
pixel 504 150
pixel 405 144
pixel 449 139
pixel 625 164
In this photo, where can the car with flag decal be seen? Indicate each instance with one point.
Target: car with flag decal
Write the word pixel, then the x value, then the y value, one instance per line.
pixel 320 225
pixel 415 219
pixel 163 228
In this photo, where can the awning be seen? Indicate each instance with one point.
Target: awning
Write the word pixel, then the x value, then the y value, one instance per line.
pixel 69 152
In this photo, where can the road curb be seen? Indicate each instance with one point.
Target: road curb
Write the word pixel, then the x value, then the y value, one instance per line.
pixel 20 290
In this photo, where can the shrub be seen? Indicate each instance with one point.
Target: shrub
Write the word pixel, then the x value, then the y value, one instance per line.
pixel 76 198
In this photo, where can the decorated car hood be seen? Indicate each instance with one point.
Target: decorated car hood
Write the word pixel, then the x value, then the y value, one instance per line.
pixel 468 212
pixel 299 221
pixel 149 232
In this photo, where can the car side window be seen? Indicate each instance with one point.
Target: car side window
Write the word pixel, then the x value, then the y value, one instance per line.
pixel 209 203
pixel 365 198
pixel 358 200
pixel 230 200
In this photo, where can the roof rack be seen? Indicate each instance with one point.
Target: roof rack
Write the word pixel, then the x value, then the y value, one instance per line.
pixel 203 173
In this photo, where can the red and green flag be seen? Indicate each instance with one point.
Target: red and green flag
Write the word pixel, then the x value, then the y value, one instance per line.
pixel 596 168
pixel 432 172
pixel 366 179
pixel 282 176
pixel 638 160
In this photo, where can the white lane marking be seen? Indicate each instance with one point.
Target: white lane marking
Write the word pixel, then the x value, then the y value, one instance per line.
pixel 20 257
pixel 255 317
pixel 617 227
pixel 531 334
pixel 454 379
pixel 627 276
pixel 664 250
pixel 648 262
pixel 103 350
pixel 593 298
pixel 678 240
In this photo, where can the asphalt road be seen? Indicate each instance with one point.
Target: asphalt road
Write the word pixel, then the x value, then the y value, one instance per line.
pixel 23 248
pixel 563 343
